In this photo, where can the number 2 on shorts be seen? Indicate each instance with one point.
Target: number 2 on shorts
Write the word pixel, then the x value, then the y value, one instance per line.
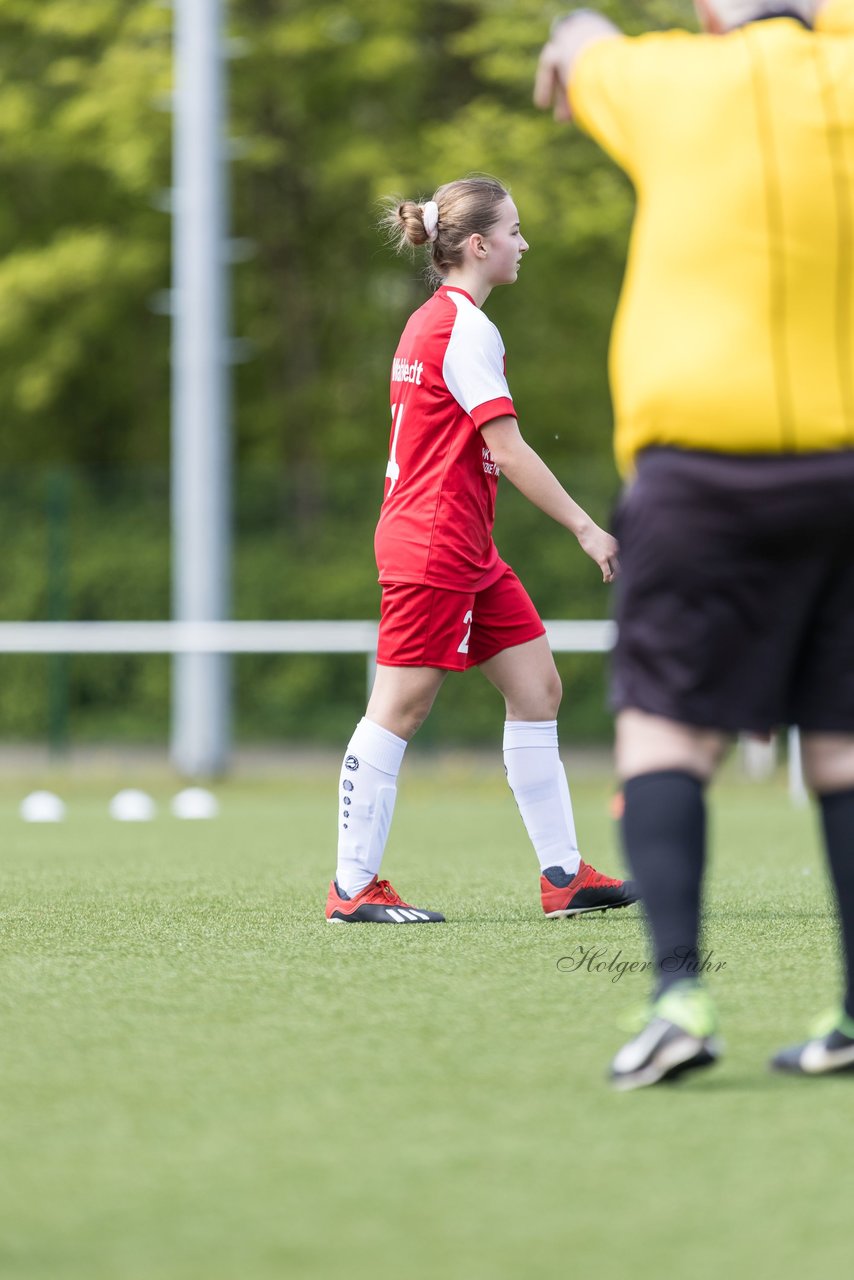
pixel 464 643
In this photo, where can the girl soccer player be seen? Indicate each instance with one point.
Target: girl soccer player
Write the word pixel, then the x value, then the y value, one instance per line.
pixel 449 601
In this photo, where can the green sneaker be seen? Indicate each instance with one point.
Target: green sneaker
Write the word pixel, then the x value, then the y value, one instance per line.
pixel 830 1049
pixel 679 1036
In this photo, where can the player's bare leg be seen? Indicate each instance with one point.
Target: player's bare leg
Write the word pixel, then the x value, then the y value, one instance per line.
pixel 402 697
pixel 647 743
pixel 528 679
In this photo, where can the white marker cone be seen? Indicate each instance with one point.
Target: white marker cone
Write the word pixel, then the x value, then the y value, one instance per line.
pixel 42 806
pixel 132 806
pixel 194 803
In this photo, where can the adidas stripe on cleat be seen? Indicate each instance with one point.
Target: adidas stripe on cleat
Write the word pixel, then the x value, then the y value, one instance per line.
pixel 563 894
pixel 678 1038
pixel 377 903
pixel 823 1055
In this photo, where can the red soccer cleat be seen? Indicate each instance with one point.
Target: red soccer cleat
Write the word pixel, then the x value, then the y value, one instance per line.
pixel 563 894
pixel 377 903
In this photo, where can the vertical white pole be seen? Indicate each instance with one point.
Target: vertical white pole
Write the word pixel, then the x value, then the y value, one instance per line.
pixel 797 788
pixel 201 516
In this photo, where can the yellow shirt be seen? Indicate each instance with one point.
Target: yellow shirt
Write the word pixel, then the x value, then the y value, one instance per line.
pixel 735 327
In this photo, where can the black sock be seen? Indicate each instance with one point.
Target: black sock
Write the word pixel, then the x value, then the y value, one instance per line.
pixel 664 837
pixel 837 814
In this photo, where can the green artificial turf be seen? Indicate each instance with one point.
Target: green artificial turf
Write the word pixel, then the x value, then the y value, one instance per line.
pixel 200 1078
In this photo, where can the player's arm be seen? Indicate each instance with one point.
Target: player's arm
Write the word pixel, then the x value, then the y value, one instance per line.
pixel 570 35
pixel 525 469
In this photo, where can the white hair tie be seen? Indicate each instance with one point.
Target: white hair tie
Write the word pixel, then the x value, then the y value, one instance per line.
pixel 430 214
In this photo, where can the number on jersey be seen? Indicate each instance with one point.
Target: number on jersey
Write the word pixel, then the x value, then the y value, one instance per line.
pixel 393 470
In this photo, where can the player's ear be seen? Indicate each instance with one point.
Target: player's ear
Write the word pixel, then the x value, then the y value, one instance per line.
pixel 478 245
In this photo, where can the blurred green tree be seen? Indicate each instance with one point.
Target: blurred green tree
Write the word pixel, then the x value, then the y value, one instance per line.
pixel 83 153
pixel 332 106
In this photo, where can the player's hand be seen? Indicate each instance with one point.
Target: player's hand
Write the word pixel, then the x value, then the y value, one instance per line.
pixel 551 78
pixel 603 548
pixel 570 33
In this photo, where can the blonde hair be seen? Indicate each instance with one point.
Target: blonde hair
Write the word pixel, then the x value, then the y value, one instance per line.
pixel 467 207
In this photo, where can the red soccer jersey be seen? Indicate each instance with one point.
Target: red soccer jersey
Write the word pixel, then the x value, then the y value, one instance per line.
pixel 447 381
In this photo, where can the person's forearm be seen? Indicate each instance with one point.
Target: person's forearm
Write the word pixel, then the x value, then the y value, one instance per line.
pixel 525 469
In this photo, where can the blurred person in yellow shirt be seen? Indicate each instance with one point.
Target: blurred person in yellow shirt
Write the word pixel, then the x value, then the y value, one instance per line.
pixel 732 376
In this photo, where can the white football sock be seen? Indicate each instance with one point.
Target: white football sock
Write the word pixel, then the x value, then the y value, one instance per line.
pixel 366 793
pixel 538 781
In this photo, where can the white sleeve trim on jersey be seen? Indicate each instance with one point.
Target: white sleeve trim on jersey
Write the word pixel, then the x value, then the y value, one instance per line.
pixel 473 368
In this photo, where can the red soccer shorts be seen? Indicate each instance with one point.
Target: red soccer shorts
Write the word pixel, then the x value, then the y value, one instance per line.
pixel 453 630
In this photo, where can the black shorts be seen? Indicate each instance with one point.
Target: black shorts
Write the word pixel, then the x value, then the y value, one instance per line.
pixel 735 604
